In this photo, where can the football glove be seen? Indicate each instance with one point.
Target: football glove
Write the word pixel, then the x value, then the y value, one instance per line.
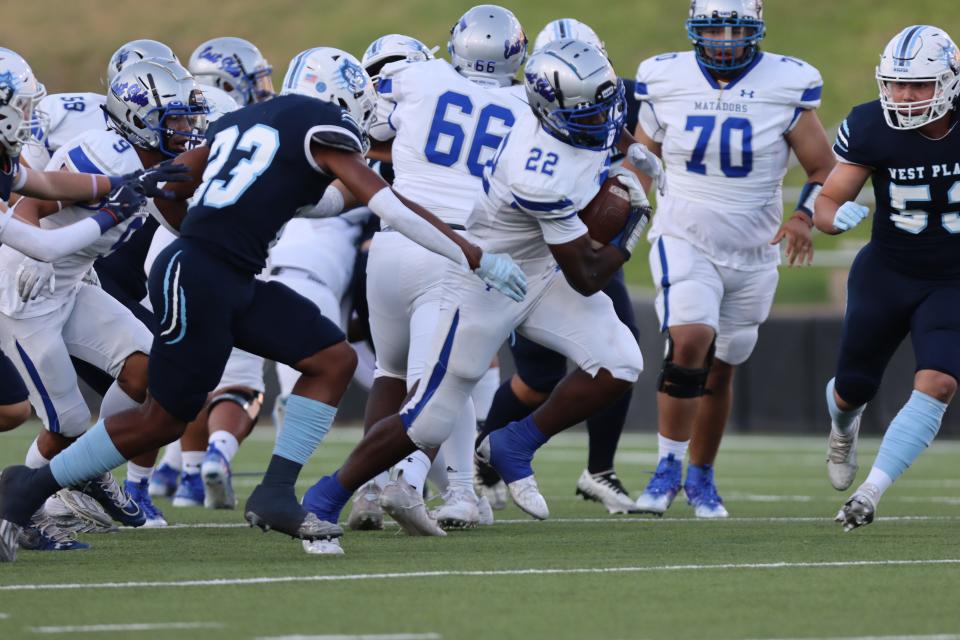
pixel 33 277
pixel 499 271
pixel 647 161
pixel 849 215
pixel 147 181
pixel 120 204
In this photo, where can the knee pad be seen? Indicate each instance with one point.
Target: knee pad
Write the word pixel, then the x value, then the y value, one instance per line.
pixel 735 346
pixel 247 399
pixel 684 382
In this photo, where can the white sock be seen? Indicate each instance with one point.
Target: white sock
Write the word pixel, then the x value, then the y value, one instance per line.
pixel 666 446
pixel 191 462
pixel 457 449
pixel 226 443
pixel 415 468
pixel 484 391
pixel 116 400
pixel 35 459
pixel 842 421
pixel 172 455
pixel 438 472
pixel 880 480
pixel 136 473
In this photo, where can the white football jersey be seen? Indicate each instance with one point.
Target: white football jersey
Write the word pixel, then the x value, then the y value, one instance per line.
pixel 532 192
pixel 447 128
pixel 102 152
pixel 325 248
pixel 70 115
pixel 724 150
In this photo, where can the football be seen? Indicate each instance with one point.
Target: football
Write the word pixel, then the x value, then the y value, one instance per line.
pixel 606 214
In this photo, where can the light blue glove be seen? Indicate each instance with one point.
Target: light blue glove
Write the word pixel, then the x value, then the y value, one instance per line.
pixel 647 161
pixel 849 215
pixel 499 271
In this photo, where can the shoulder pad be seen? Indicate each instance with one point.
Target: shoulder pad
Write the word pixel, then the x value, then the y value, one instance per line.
pixel 801 83
pixel 655 71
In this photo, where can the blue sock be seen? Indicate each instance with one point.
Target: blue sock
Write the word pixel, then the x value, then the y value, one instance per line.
pixel 305 423
pixel 842 419
pixel 90 456
pixel 327 498
pixel 512 449
pixel 911 431
pixel 698 473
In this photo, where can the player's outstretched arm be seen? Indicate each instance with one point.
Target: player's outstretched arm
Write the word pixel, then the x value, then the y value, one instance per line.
pixel 418 224
pixel 172 204
pixel 836 210
pixel 74 187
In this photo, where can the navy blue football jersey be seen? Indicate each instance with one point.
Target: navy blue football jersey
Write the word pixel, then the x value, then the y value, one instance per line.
pixel 916 182
pixel 260 171
pixel 8 175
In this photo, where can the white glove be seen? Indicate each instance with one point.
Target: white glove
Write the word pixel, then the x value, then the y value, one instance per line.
pixel 499 271
pixel 638 198
pixel 647 161
pixel 849 215
pixel 32 276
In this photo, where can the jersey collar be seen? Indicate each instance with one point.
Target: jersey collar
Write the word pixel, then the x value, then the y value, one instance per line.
pixel 743 73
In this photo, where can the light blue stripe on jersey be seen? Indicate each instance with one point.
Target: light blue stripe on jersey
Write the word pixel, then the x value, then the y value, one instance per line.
pixel 533 205
pixel 82 162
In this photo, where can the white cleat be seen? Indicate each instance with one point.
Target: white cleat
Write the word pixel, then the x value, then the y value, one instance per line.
pixel 460 509
pixel 217 483
pixel 366 513
pixel 404 504
pixel 77 512
pixel 710 511
pixel 329 547
pixel 526 495
pixel 484 512
pixel 606 489
pixel 860 509
pixel 842 456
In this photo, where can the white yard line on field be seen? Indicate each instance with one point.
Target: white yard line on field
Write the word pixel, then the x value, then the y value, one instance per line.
pixel 135 626
pixel 942 636
pixel 223 582
pixel 365 636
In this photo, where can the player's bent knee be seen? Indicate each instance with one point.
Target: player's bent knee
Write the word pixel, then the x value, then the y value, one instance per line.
pixel 133 376
pixel 527 394
pixel 682 382
pixel 249 400
pixel 336 361
pixel 14 415
pixel 854 389
pixel 937 384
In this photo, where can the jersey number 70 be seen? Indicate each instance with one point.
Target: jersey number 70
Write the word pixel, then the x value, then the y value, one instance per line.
pixel 706 125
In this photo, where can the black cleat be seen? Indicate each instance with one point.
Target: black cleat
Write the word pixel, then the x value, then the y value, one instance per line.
pixel 275 507
pixel 20 495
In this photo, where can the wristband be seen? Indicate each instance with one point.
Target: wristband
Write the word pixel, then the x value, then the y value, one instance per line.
pixel 20 180
pixel 808 196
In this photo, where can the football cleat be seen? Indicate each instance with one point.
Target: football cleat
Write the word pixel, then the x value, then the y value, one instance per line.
pixel 217 480
pixel 460 509
pixel 404 504
pixel 860 509
pixel 140 493
pixel 485 511
pixel 115 501
pixel 842 456
pixel 662 488
pixel 163 481
pixel 77 512
pixel 702 494
pixel 329 547
pixel 275 507
pixel 487 482
pixel 607 489
pixel 526 495
pixel 190 491
pixel 44 535
pixel 9 540
pixel 366 514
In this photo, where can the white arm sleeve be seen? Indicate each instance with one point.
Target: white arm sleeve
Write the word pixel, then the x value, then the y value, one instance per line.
pixel 391 210
pixel 330 205
pixel 47 245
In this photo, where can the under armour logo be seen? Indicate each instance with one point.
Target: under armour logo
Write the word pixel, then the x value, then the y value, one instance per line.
pixel 746 94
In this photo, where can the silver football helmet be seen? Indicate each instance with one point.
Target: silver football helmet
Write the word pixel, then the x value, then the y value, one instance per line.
pixel 20 93
pixel 575 93
pixel 235 66
pixel 742 23
pixel 219 102
pixel 393 48
pixel 334 76
pixel 566 28
pixel 920 53
pixel 143 99
pixel 135 51
pixel 488 45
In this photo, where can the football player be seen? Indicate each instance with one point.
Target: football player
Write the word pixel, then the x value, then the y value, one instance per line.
pixel 539 370
pixel 262 164
pixel 235 66
pixel 906 280
pixel 724 117
pixel 549 166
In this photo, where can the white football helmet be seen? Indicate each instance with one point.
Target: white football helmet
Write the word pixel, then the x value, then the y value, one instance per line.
pixel 566 28
pixel 145 94
pixel 135 51
pixel 235 66
pixel 219 102
pixel 333 76
pixel 576 95
pixel 488 45
pixel 20 93
pixel 393 48
pixel 920 53
pixel 730 52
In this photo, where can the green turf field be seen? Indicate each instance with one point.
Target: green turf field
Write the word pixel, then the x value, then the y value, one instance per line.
pixel 779 568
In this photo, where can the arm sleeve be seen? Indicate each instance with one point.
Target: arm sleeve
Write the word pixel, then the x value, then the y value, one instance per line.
pixel 47 245
pixel 392 211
